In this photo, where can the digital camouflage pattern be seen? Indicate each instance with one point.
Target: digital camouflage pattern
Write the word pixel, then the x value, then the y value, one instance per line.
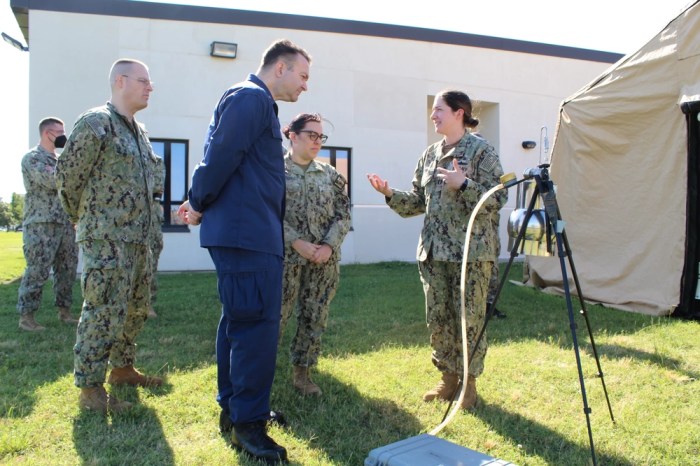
pixel 156 239
pixel 41 203
pixel 308 291
pixel 447 210
pixel 105 183
pixel 48 246
pixel 114 274
pixel 317 208
pixel 441 243
pixel 48 236
pixel 317 211
pixel 105 179
pixel 441 284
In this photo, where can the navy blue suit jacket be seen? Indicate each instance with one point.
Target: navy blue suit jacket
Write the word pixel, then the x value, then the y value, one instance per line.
pixel 239 186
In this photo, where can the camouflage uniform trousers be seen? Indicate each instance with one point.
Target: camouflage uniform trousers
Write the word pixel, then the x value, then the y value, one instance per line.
pixel 156 249
pixel 116 290
pixel 494 281
pixel 441 284
pixel 48 246
pixel 308 289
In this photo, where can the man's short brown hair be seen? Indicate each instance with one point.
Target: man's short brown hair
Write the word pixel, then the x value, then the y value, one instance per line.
pixel 49 121
pixel 284 49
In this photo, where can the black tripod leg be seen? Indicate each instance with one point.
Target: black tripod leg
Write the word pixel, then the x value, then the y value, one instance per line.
pixel 584 312
pixel 513 255
pixel 572 326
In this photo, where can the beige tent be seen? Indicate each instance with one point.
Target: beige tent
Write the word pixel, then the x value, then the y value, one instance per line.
pixel 625 163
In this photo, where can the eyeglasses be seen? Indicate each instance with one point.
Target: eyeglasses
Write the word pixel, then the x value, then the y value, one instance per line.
pixel 144 81
pixel 314 136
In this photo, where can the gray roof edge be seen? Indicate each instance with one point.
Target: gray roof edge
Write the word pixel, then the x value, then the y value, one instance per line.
pixel 166 11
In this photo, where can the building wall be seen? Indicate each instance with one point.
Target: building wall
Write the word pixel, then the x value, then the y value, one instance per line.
pixel 376 91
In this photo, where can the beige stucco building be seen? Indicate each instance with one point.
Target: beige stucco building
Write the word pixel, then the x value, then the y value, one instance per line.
pixel 374 82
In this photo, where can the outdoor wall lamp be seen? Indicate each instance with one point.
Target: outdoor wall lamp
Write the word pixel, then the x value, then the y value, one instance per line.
pixel 15 43
pixel 529 144
pixel 223 49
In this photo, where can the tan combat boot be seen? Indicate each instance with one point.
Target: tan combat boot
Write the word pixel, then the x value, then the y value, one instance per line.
pixel 469 400
pixel 303 383
pixel 97 399
pixel 27 322
pixel 152 313
pixel 64 316
pixel 127 375
pixel 445 389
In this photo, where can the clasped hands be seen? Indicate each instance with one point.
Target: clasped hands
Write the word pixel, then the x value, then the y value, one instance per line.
pixel 316 253
pixel 188 215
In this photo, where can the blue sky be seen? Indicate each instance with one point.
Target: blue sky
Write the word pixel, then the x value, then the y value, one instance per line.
pixel 620 26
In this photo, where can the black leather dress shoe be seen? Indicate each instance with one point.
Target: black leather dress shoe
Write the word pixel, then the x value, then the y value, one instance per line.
pixel 225 424
pixel 276 417
pixel 252 438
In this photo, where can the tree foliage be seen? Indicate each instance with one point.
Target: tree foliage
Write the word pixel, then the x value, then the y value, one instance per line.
pixel 12 213
pixel 5 215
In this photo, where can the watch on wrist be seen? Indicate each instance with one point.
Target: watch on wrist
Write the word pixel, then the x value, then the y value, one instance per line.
pixel 465 183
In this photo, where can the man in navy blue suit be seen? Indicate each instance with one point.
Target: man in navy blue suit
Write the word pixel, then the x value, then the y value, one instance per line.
pixel 237 195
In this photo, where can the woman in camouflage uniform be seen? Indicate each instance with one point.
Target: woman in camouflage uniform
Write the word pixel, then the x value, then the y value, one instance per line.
pixel 316 220
pixel 450 178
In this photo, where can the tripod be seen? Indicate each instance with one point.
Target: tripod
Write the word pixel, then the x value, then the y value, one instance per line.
pixel 544 188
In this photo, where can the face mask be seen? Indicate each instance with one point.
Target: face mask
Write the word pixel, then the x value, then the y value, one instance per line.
pixel 60 141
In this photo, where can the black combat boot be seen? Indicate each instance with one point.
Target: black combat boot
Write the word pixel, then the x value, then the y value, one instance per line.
pixel 226 425
pixel 252 438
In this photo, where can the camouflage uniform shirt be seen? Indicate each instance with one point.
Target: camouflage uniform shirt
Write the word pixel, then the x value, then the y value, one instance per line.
pixel 447 210
pixel 105 179
pixel 41 203
pixel 157 216
pixel 317 209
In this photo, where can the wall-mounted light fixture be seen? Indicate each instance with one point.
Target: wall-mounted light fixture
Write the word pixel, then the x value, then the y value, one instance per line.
pixel 223 49
pixel 529 144
pixel 15 43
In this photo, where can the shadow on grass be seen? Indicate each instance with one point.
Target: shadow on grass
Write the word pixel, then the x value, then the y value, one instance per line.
pixel 340 422
pixel 526 320
pixel 133 437
pixel 539 441
pixel 622 352
pixel 30 360
pixel 182 336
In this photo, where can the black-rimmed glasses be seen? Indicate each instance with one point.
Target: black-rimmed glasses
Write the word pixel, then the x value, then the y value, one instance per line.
pixel 314 136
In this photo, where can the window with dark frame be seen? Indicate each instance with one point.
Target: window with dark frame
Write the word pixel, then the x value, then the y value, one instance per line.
pixel 339 158
pixel 175 154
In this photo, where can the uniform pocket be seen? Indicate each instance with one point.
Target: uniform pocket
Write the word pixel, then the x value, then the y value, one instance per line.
pixel 241 296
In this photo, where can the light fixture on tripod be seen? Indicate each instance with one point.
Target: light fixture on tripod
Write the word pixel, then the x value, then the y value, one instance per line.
pixel 543 194
pixel 538 239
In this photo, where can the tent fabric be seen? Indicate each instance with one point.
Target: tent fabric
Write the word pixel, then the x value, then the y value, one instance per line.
pixel 619 163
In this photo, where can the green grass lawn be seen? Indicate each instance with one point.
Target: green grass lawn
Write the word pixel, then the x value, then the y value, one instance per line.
pixel 11 256
pixel 374 369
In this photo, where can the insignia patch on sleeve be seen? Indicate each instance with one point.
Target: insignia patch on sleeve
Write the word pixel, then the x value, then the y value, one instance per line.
pixel 96 127
pixel 489 162
pixel 339 181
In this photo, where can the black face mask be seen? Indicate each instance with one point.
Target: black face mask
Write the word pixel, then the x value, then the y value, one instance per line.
pixel 60 141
